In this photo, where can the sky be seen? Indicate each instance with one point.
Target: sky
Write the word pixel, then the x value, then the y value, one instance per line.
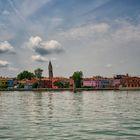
pixel 97 37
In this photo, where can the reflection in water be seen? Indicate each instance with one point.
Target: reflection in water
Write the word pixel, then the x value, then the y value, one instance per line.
pixel 50 105
pixel 77 103
pixel 66 115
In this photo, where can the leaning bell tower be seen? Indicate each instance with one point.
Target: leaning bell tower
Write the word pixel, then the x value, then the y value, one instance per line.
pixel 50 69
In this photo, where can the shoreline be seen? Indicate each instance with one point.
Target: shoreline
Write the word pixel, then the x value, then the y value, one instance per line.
pixel 73 90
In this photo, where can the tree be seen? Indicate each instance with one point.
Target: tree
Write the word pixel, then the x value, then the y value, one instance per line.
pixel 77 77
pixel 25 75
pixel 20 85
pixel 61 84
pixel 38 73
pixel 58 84
pixel 35 85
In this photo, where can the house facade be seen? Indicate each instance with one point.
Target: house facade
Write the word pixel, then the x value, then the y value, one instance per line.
pixel 3 83
pixel 130 82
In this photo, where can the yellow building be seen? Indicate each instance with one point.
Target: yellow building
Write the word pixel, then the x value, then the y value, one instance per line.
pixel 3 83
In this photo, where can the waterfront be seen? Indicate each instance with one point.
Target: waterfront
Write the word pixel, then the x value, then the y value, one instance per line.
pixel 87 115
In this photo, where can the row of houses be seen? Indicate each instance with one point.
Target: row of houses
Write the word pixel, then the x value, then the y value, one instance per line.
pixel 97 82
pixel 117 82
pixel 6 82
pixel 55 83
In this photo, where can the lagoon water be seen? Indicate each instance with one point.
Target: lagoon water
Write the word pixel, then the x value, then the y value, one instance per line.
pixel 101 115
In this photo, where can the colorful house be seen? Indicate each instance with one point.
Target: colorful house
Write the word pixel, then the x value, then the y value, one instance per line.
pixel 30 83
pixel 90 82
pixel 3 83
pixel 71 83
pixel 45 83
pixel 104 83
pixel 130 82
pixel 10 83
pixel 116 83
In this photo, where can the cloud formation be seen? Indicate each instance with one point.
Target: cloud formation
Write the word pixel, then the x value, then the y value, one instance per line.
pixel 4 64
pixel 44 47
pixel 84 31
pixel 6 47
pixel 39 58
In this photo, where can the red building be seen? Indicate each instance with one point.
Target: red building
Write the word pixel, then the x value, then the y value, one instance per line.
pixel 45 83
pixel 130 82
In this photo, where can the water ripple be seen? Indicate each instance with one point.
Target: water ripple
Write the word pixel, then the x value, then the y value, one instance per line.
pixel 83 116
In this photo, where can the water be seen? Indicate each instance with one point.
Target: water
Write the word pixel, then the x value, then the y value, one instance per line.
pixel 106 115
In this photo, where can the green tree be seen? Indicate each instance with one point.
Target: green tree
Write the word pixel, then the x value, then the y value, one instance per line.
pixel 38 73
pixel 35 85
pixel 77 77
pixel 21 85
pixel 61 84
pixel 25 75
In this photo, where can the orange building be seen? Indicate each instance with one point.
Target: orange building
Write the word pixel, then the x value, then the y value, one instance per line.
pixel 130 82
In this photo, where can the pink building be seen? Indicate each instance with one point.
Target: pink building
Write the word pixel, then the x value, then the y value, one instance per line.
pixel 89 82
pixel 116 82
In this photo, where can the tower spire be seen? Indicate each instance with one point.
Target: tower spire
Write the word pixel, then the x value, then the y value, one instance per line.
pixel 50 69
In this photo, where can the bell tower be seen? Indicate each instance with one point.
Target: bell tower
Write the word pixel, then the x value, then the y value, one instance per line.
pixel 50 69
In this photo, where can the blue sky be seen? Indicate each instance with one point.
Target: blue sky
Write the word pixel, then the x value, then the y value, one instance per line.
pixel 99 37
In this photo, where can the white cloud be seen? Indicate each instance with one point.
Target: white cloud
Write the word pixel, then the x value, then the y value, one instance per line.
pixel 127 33
pixel 35 41
pixel 6 47
pixel 90 30
pixel 44 47
pixel 103 34
pixel 4 63
pixel 39 58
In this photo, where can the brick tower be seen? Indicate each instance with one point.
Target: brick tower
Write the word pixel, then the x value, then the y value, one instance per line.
pixel 50 69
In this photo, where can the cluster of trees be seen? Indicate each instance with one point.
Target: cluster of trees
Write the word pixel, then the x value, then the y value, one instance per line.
pixel 25 75
pixel 29 75
pixel 77 77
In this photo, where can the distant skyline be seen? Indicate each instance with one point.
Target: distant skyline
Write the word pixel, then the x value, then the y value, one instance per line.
pixel 98 37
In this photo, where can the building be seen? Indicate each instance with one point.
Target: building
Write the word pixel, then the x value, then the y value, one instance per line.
pixel 10 83
pixel 130 82
pixel 89 82
pixel 104 83
pixel 3 83
pixel 45 83
pixel 71 83
pixel 117 81
pixel 29 84
pixel 50 69
pixel 97 82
